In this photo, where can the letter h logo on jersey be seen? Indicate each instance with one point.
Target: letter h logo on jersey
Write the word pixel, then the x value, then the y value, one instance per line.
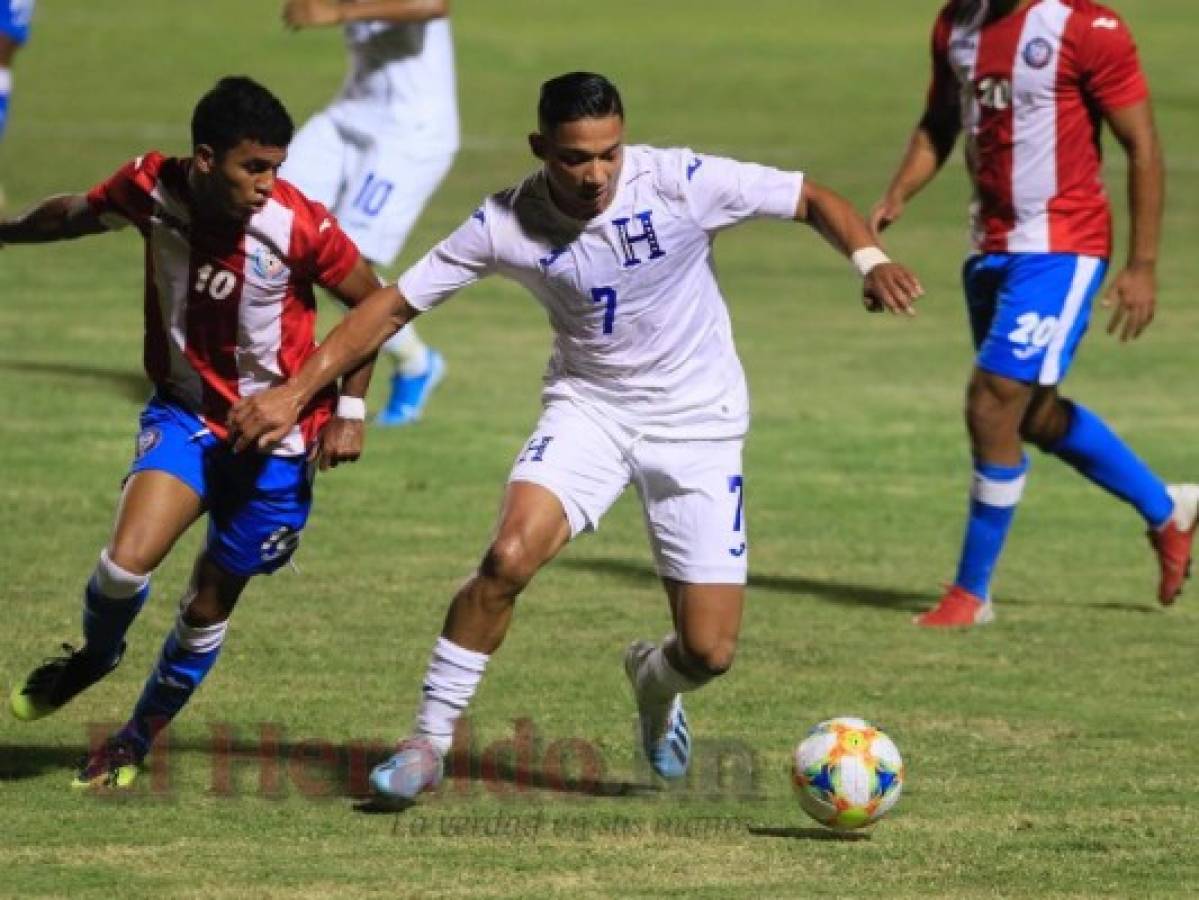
pixel 628 240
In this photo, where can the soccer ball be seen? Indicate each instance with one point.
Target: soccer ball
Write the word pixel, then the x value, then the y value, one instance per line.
pixel 847 773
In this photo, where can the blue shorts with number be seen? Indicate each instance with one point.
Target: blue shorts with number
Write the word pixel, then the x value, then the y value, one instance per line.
pixel 257 504
pixel 1029 311
pixel 15 16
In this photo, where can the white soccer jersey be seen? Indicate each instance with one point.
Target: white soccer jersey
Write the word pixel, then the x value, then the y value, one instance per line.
pixel 641 332
pixel 401 77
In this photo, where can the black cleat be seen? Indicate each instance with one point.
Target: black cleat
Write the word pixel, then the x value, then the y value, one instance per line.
pixel 57 681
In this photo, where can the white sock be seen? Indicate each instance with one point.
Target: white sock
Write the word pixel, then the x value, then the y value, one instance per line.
pixel 115 583
pixel 451 680
pixel 408 351
pixel 658 680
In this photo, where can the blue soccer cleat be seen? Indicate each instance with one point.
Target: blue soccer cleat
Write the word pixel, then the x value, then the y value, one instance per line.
pixel 409 394
pixel 665 735
pixel 414 768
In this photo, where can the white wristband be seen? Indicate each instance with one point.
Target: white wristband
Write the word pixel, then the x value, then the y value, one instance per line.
pixel 351 408
pixel 867 258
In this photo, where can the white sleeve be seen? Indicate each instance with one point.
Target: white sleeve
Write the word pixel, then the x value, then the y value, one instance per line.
pixel 461 259
pixel 721 192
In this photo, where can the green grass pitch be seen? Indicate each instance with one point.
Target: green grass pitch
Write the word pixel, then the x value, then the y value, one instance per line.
pixel 1052 753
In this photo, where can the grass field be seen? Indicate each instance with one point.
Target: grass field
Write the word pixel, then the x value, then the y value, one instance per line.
pixel 1051 754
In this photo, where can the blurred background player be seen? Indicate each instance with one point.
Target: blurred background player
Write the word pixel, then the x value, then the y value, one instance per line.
pixel 377 153
pixel 644 387
pixel 15 16
pixel 232 254
pixel 1031 82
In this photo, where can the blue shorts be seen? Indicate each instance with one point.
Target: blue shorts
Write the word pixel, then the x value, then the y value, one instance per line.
pixel 15 16
pixel 1029 311
pixel 257 504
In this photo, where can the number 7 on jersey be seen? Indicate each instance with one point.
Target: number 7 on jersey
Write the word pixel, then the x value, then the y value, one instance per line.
pixel 607 296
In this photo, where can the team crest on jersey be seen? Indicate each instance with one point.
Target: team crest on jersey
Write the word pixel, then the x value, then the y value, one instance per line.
pixel 267 265
pixel 1038 52
pixel 147 441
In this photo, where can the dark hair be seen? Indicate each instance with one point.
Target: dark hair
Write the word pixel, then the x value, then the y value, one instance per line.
pixel 236 109
pixel 969 11
pixel 574 96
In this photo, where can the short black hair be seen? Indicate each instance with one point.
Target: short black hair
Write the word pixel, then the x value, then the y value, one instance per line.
pixel 574 96
pixel 239 108
pixel 968 12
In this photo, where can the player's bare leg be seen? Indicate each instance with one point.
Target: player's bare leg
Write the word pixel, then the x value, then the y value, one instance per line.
pixel 155 509
pixel 532 529
pixel 707 622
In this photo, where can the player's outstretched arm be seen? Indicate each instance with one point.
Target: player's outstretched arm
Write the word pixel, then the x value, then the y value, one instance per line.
pixel 299 14
pixel 56 218
pixel 929 146
pixel 885 284
pixel 265 419
pixel 343 438
pixel 1133 294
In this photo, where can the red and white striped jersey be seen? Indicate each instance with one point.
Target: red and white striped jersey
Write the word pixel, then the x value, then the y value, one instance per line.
pixel 229 311
pixel 1032 87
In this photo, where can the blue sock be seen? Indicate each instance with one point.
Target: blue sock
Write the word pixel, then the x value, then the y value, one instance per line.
pixel 1101 456
pixel 994 493
pixel 111 601
pixel 188 654
pixel 5 90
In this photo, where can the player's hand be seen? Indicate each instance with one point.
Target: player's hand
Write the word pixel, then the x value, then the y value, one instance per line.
pixel 299 14
pixel 340 442
pixel 884 213
pixel 1132 298
pixel 263 420
pixel 891 287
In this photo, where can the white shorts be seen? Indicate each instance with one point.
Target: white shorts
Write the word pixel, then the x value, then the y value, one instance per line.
pixel 692 492
pixel 373 183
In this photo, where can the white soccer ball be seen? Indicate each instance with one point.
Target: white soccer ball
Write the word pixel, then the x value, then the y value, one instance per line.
pixel 847 773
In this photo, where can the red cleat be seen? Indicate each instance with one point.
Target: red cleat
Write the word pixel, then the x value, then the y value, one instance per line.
pixel 957 609
pixel 1173 542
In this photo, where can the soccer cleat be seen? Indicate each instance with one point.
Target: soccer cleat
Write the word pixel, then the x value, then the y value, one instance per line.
pixel 414 768
pixel 958 608
pixel 113 766
pixel 57 681
pixel 409 394
pixel 1173 542
pixel 665 735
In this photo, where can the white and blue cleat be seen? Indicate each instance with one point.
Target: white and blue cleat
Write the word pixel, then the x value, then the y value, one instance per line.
pixel 665 735
pixel 410 393
pixel 416 766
